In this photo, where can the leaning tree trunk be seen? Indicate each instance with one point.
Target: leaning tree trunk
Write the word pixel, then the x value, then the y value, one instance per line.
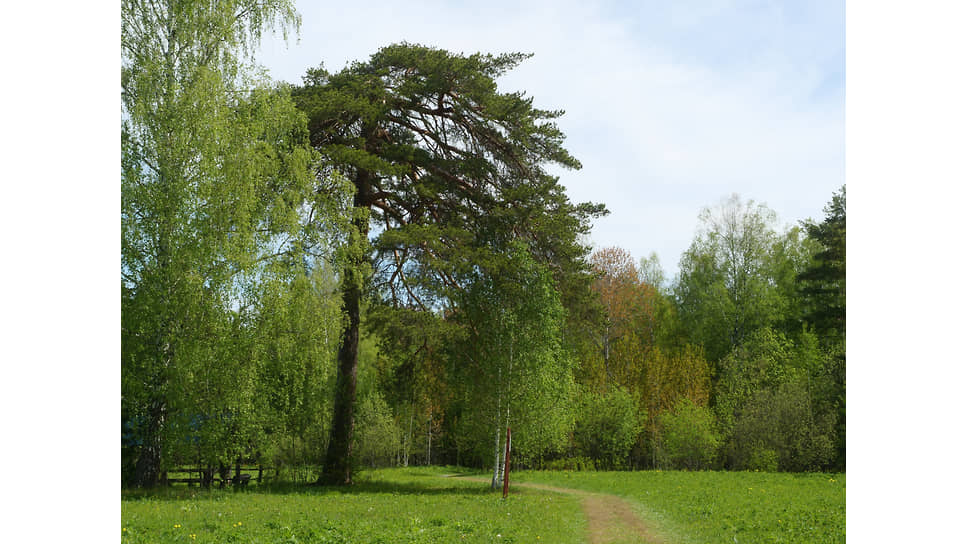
pixel 337 467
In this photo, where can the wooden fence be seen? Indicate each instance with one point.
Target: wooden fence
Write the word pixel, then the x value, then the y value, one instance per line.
pixel 206 476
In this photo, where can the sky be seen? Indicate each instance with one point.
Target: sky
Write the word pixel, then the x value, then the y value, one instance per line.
pixel 670 106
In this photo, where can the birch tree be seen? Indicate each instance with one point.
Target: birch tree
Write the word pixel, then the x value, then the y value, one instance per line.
pixel 725 290
pixel 216 185
pixel 511 366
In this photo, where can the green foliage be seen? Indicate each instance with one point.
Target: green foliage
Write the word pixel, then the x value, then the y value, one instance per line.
pixel 218 194
pixel 411 370
pixel 779 423
pixel 764 361
pixel 377 440
pixel 298 327
pixel 570 463
pixel 607 426
pixel 689 436
pixel 510 368
pixel 767 307
pixel 791 255
pixel 763 459
pixel 651 272
pixel 824 281
pixel 450 168
pixel 766 408
pixel 735 277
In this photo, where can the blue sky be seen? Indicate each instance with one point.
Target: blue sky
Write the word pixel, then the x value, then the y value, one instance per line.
pixel 670 106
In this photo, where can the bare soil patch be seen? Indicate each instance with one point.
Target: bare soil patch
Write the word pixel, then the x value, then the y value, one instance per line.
pixel 611 520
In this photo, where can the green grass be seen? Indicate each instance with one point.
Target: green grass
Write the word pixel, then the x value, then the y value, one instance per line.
pixel 386 506
pixel 418 505
pixel 726 507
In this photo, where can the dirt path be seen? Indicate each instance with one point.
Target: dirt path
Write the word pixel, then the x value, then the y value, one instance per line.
pixel 610 518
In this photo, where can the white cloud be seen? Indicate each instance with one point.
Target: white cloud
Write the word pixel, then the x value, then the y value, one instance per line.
pixel 669 108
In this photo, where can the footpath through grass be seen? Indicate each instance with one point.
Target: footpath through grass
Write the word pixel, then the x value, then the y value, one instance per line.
pixel 723 507
pixel 415 505
pixel 418 505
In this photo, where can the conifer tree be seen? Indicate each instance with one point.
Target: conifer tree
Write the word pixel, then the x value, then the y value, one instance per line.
pixel 449 171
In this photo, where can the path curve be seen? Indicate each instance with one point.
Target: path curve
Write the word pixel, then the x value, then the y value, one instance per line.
pixel 611 519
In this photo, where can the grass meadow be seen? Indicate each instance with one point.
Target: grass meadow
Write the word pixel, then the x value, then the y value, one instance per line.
pixel 723 507
pixel 418 505
pixel 414 505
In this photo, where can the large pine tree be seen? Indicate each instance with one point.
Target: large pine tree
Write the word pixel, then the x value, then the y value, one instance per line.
pixel 449 171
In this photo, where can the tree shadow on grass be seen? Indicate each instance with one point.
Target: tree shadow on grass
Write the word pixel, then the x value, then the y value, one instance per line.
pixel 413 484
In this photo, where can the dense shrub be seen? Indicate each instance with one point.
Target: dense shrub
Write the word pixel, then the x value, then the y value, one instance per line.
pixel 576 464
pixel 689 436
pixel 376 438
pixel 776 430
pixel 607 427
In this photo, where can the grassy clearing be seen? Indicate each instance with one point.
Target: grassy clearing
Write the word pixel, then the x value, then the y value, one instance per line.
pixel 726 507
pixel 386 506
pixel 417 505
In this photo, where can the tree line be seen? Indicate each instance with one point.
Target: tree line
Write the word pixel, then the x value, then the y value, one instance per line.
pixel 376 267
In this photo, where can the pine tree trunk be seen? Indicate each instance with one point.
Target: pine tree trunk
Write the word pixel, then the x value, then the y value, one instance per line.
pixel 337 467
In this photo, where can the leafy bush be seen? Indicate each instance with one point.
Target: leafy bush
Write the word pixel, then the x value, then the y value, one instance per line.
pixel 576 464
pixel 772 404
pixel 607 427
pixel 776 430
pixel 763 459
pixel 377 438
pixel 689 437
